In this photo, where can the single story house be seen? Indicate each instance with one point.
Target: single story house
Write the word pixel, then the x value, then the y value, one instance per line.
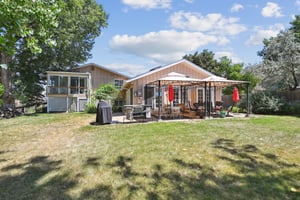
pixel 193 88
pixel 141 90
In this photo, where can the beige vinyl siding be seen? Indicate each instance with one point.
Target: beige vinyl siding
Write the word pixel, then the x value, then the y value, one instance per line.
pixel 101 76
pixel 182 68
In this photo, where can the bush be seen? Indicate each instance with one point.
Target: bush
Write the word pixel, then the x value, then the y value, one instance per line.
pixel 91 108
pixel 290 109
pixel 265 103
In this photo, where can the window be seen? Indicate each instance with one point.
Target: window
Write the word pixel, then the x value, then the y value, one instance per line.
pixel 176 96
pixel 200 95
pixel 119 84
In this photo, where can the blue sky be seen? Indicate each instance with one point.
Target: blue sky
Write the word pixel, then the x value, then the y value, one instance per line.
pixel 143 34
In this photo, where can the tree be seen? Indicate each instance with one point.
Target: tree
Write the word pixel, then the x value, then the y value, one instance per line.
pixel 24 20
pixel 1 93
pixel 296 27
pixel 205 59
pixel 79 23
pixel 224 68
pixel 281 61
pixel 24 23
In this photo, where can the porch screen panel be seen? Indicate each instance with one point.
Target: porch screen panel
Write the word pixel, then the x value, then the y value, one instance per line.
pixel 82 85
pixel 58 85
pixel 74 85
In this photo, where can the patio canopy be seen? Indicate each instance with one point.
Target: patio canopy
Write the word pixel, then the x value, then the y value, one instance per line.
pixel 175 79
pixel 221 82
pixel 182 80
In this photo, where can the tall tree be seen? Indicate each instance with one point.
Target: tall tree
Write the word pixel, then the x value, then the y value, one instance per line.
pixel 205 59
pixel 281 61
pixel 296 27
pixel 79 23
pixel 223 67
pixel 24 23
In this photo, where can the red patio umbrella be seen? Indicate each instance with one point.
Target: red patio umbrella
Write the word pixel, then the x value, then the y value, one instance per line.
pixel 171 93
pixel 235 95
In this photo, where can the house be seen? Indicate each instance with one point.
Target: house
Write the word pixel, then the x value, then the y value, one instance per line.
pixel 141 90
pixel 71 91
pixel 102 75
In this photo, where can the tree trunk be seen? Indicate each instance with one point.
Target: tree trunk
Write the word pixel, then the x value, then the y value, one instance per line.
pixel 7 98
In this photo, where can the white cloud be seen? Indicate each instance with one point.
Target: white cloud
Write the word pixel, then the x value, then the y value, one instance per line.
pixel 128 69
pixel 163 46
pixel 298 3
pixel 189 1
pixel 236 7
pixel 234 58
pixel 271 10
pixel 148 4
pixel 213 23
pixel 261 34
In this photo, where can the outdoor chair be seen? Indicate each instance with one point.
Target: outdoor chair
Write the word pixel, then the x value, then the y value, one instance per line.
pixel 218 106
pixel 192 108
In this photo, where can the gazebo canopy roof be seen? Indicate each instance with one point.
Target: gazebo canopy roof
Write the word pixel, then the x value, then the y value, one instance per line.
pixel 221 82
pixel 175 79
pixel 181 79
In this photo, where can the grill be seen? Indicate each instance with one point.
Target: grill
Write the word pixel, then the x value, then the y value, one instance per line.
pixel 104 113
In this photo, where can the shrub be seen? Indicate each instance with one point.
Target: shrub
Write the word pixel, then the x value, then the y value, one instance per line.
pixel 91 108
pixel 290 109
pixel 265 103
pixel 105 92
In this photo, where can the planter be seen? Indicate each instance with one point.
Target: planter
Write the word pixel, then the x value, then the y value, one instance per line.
pixel 223 114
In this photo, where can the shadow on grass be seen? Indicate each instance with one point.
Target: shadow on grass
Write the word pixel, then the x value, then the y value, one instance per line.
pixel 256 175
pixel 42 178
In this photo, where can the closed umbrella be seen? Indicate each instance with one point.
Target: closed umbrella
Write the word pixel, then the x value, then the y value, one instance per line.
pixel 235 95
pixel 171 93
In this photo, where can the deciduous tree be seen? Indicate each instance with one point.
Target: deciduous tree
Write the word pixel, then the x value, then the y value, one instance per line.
pixel 281 61
pixel 79 22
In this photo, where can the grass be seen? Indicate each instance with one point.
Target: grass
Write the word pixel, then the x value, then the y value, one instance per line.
pixel 62 156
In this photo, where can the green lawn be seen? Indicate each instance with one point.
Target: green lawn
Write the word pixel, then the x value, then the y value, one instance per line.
pixel 62 156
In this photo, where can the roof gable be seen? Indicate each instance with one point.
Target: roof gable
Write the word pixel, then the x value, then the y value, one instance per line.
pixel 158 69
pixel 102 68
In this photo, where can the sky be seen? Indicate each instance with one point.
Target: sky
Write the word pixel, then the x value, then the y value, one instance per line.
pixel 143 34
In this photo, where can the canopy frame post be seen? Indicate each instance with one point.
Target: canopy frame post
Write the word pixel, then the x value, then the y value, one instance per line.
pixel 159 101
pixel 247 101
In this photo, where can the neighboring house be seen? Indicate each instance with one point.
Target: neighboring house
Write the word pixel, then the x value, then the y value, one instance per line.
pixel 139 91
pixel 67 91
pixel 71 91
